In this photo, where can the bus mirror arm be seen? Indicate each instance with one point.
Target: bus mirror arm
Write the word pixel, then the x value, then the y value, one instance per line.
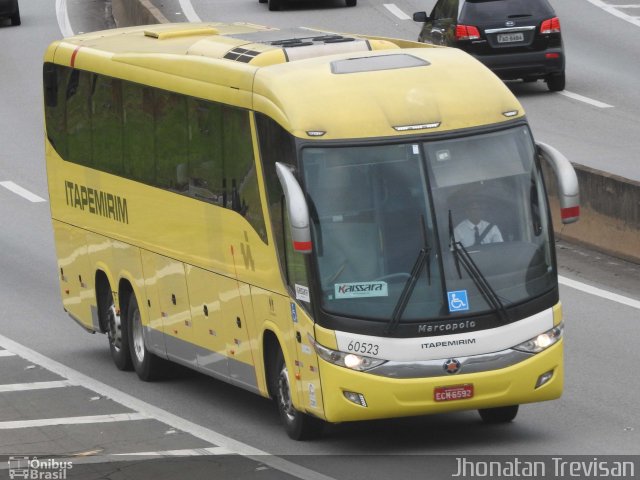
pixel 567 180
pixel 296 207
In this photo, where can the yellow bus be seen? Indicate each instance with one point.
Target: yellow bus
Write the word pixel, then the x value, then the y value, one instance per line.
pixel 285 210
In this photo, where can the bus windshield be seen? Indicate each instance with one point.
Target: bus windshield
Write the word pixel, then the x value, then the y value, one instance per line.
pixel 375 208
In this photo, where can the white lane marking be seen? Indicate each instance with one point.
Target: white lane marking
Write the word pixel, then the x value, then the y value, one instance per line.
pixel 47 422
pixel 63 18
pixel 189 11
pixel 393 8
pixel 21 387
pixel 23 192
pixel 197 452
pixel 598 292
pixel 613 10
pixel 582 98
pixel 6 353
pixel 153 412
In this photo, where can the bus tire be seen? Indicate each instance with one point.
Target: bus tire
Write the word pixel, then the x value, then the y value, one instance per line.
pixel 116 331
pixel 147 365
pixel 499 414
pixel 351 3
pixel 298 425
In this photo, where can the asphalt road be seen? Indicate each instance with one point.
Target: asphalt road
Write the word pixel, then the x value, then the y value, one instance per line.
pixel 193 414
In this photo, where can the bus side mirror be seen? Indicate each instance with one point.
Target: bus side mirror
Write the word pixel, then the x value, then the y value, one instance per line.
pixel 568 190
pixel 420 17
pixel 297 209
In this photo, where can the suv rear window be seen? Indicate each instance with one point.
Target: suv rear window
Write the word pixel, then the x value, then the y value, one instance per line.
pixel 477 11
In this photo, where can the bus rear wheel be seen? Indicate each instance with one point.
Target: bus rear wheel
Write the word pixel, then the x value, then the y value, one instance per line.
pixel 146 364
pixel 275 5
pixel 298 425
pixel 499 414
pixel 116 332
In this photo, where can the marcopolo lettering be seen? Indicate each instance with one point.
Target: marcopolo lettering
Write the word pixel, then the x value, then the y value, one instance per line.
pixel 96 202
pixel 444 327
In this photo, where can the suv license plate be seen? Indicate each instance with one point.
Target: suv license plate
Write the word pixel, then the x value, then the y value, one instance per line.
pixel 510 37
pixel 457 392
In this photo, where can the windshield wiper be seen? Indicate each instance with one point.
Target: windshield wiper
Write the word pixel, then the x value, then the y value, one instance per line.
pixel 407 290
pixel 461 256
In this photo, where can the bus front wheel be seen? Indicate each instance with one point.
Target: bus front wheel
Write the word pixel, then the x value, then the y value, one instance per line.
pixel 146 364
pixel 498 414
pixel 298 425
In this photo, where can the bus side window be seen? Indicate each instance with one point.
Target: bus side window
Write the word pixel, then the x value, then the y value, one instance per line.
pixel 106 125
pixel 171 137
pixel 56 79
pixel 138 134
pixel 79 120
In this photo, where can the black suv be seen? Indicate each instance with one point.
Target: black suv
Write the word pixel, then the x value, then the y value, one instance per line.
pixel 10 9
pixel 514 38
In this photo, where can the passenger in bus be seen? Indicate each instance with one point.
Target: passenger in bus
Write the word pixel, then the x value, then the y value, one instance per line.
pixel 475 230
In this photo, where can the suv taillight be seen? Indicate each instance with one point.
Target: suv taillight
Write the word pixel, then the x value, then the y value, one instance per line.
pixel 467 32
pixel 551 25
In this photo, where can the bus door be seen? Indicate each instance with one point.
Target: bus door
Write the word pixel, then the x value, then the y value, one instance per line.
pixel 237 313
pixel 220 326
pixel 166 287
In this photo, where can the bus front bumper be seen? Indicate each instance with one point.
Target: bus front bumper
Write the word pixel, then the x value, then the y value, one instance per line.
pixel 386 397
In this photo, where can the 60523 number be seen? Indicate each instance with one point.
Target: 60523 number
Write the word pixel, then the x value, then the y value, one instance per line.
pixel 363 347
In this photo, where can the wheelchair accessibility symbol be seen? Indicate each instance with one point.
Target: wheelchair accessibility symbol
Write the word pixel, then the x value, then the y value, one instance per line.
pixel 458 301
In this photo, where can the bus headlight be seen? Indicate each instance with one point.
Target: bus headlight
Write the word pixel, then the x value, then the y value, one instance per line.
pixel 542 341
pixel 349 360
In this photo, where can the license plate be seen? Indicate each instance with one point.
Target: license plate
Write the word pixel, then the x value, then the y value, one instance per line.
pixel 510 37
pixel 457 392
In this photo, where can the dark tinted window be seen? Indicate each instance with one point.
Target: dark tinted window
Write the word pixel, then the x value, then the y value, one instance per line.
pixel 276 145
pixel 185 145
pixel 78 109
pixel 496 10
pixel 446 9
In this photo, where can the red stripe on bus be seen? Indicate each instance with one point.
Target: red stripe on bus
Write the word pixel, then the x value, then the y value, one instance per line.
pixel 570 212
pixel 302 246
pixel 73 56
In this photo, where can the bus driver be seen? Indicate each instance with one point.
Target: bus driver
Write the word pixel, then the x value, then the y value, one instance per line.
pixel 474 230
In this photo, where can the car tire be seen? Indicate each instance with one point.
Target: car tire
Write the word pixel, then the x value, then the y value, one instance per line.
pixel 298 425
pixel 352 3
pixel 147 365
pixel 15 19
pixel 275 5
pixel 556 82
pixel 499 414
pixel 262 1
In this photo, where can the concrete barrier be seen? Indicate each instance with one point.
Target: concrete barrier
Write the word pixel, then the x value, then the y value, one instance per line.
pixel 128 13
pixel 610 205
pixel 609 213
